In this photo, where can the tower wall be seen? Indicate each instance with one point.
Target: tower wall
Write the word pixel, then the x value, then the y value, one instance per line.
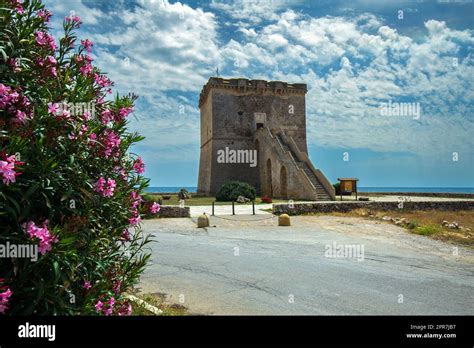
pixel 228 120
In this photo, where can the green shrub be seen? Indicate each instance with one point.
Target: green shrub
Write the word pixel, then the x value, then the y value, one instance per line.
pixel 427 230
pixel 68 184
pixel 233 189
pixel 337 188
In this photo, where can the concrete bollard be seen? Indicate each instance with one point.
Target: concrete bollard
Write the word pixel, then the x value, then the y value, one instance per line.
pixel 203 221
pixel 284 220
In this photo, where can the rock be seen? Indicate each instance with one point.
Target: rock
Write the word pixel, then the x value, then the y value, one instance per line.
pixel 403 220
pixel 284 220
pixel 456 224
pixel 203 221
pixel 242 199
pixel 398 223
pixel 386 218
pixel 445 223
pixel 468 229
pixel 452 226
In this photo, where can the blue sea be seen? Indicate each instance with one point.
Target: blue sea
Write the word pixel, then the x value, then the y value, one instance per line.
pixel 171 189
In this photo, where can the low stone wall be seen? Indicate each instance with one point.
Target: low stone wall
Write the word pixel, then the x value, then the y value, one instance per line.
pixel 418 194
pixel 173 211
pixel 327 207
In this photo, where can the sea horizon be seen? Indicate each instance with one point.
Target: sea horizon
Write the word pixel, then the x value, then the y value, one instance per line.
pixel 175 189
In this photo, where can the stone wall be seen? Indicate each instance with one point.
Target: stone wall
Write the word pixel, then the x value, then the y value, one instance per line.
pixel 419 194
pixel 173 211
pixel 327 207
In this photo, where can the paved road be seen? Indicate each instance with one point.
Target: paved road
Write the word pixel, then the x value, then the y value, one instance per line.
pixel 255 267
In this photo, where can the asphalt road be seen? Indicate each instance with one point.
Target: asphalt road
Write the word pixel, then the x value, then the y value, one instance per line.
pixel 256 267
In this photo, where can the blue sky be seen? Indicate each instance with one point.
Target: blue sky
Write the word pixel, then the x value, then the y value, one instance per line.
pixel 354 55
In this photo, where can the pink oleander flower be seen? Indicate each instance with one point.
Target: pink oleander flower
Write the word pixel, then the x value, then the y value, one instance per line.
pixel 138 165
pixel 110 308
pixel 14 64
pixel 155 208
pixel 125 309
pixel 66 114
pixel 18 6
pixel 53 72
pixel 99 185
pixel 7 169
pixel 98 306
pixel 4 299
pixel 46 239
pixel 117 286
pixel 106 116
pixel 20 116
pixel 135 220
pixel 87 44
pixel 109 190
pixel 86 69
pixel 126 235
pixel 45 40
pixel 44 14
pixel 87 285
pixel 72 136
pixel 83 130
pixel 136 199
pixel 4 89
pixel 51 60
pixel 75 20
pixel 121 171
pixel 53 108
pixel 111 143
pixel 106 188
pixel 86 116
pixel 123 113
pixel 102 80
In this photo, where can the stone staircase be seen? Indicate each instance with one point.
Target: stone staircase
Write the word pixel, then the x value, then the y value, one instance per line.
pixel 321 194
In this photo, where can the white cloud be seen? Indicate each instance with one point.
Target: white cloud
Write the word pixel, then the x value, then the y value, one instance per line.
pixel 351 65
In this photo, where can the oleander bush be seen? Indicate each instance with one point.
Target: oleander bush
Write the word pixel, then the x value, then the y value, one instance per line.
pixel 231 190
pixel 69 184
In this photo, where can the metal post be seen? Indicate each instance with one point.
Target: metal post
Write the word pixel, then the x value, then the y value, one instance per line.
pixel 212 208
pixel 253 207
pixel 233 211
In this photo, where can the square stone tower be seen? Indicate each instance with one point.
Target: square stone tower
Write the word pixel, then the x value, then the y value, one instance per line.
pixel 255 131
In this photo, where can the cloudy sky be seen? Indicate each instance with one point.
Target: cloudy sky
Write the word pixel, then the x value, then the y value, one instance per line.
pixel 354 55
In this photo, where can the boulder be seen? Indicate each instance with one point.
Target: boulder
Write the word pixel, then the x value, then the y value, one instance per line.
pixel 284 220
pixel 242 199
pixel 203 221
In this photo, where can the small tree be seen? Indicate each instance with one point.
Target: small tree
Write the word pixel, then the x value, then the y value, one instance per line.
pixel 68 184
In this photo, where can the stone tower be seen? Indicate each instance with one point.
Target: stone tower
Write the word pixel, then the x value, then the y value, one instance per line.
pixel 255 131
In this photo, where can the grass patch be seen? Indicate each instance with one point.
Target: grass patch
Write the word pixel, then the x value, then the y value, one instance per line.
pixel 158 300
pixel 427 230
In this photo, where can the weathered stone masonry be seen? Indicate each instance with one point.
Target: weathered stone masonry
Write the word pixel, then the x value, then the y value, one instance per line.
pixel 269 117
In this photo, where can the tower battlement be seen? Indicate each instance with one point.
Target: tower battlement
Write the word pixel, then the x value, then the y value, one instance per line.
pixel 246 86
